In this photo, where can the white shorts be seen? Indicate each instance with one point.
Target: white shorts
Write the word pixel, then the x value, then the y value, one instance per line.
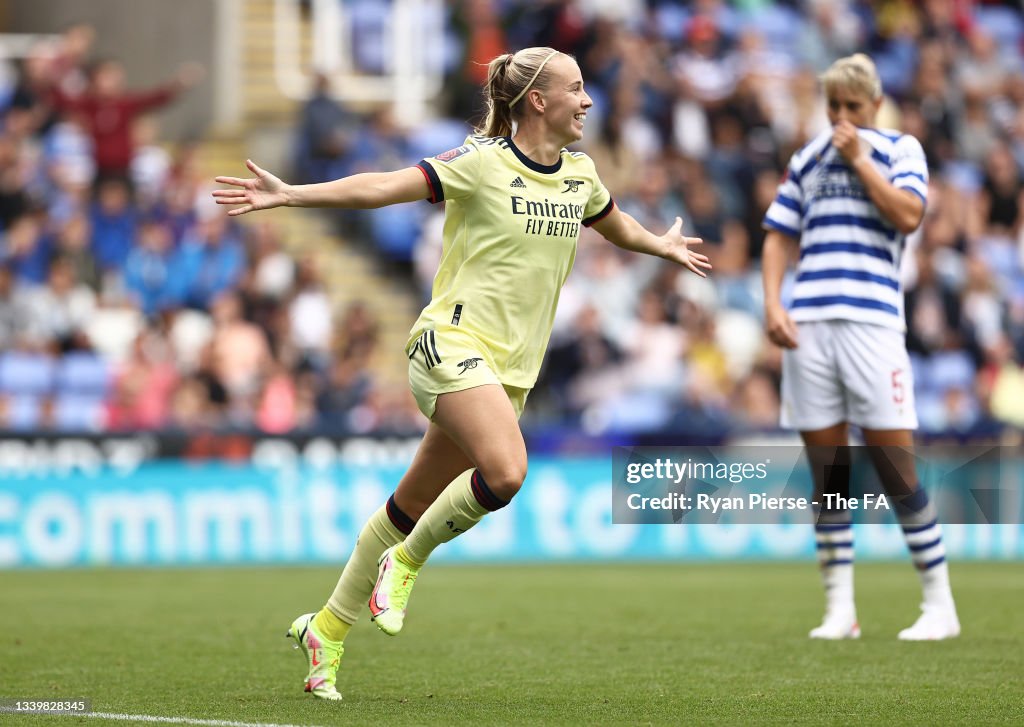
pixel 846 371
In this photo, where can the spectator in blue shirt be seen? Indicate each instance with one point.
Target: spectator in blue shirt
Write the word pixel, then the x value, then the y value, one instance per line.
pixel 147 272
pixel 210 261
pixel 114 223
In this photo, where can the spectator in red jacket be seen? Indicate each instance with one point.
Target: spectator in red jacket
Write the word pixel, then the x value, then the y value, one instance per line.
pixel 108 111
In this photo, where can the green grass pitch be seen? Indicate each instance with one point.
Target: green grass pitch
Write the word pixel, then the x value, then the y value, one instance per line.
pixel 542 644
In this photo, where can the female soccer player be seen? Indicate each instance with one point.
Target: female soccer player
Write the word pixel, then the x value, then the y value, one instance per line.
pixel 848 199
pixel 515 201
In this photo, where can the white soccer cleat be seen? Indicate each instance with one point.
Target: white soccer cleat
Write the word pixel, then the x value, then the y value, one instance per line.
pixel 936 622
pixel 838 625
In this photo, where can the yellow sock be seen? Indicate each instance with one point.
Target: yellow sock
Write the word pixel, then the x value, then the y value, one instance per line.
pixel 450 515
pixel 403 557
pixel 330 626
pixel 356 581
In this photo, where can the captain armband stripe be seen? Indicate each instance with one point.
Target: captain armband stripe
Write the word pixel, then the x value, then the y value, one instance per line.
pixel 433 182
pixel 588 221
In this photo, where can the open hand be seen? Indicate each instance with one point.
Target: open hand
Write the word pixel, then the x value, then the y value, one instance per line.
pixel 677 249
pixel 262 193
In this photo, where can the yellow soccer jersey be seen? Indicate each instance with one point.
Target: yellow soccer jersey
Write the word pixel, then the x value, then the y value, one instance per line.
pixel 510 232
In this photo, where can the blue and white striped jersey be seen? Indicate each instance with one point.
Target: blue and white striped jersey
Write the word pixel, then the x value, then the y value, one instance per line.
pixel 849 254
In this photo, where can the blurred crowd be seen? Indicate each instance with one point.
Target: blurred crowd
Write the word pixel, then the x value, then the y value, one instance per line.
pixel 127 302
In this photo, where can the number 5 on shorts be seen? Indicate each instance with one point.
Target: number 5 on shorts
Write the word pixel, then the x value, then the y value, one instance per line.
pixel 897 386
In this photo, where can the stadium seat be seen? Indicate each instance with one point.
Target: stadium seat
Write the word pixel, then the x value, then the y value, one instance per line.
pixel 1003 24
pixel 77 413
pixel 83 373
pixel 24 412
pixel 24 373
pixel 636 411
pixel 948 370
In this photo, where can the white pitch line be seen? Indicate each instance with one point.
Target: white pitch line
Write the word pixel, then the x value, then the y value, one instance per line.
pixel 180 720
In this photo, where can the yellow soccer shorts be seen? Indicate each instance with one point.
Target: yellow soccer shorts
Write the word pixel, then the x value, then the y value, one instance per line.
pixel 445 360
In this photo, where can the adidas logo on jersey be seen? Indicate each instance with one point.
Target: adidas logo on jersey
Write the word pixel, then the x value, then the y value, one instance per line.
pixel 518 183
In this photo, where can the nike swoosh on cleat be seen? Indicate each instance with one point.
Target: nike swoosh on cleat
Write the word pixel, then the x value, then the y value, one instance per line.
pixel 375 608
pixel 314 644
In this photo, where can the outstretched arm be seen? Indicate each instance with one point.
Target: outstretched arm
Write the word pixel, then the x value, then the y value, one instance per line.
pixel 360 191
pixel 622 230
pixel 189 74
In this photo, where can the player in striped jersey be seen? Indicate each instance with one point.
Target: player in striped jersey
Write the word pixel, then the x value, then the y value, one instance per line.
pixel 515 200
pixel 847 202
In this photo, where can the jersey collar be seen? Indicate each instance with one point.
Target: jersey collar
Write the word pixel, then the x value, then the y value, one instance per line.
pixel 542 168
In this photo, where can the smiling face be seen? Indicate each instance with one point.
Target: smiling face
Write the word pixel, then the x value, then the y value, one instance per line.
pixel 565 101
pixel 845 104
